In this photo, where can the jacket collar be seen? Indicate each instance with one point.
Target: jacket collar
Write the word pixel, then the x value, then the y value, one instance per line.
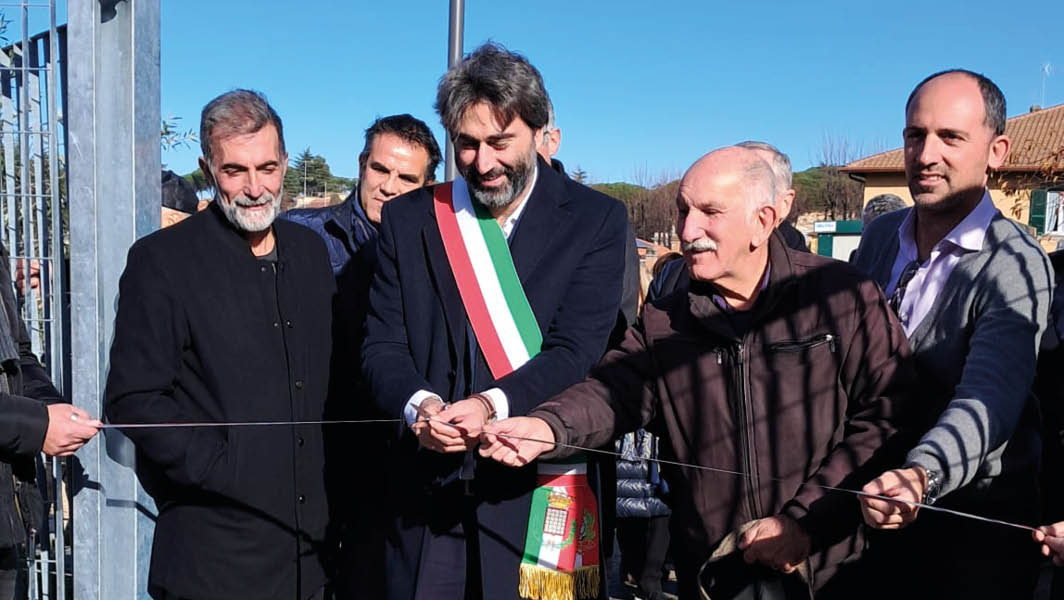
pixel 780 278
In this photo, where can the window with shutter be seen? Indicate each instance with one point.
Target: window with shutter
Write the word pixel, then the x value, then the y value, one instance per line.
pixel 1037 218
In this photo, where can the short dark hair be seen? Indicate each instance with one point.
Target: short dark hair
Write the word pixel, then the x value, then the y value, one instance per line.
pixel 993 99
pixel 178 194
pixel 235 113
pixel 410 130
pixel 505 80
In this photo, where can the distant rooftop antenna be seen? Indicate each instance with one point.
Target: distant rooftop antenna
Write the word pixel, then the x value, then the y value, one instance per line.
pixel 1046 70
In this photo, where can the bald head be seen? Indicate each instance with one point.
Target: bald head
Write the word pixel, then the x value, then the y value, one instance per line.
pixel 726 215
pixel 743 168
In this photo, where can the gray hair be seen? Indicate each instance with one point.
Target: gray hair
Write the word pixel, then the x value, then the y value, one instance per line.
pixel 237 112
pixel 880 205
pixel 550 115
pixel 505 80
pixel 759 181
pixel 780 163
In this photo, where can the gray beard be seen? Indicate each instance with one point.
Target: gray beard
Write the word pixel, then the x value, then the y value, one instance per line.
pixel 235 211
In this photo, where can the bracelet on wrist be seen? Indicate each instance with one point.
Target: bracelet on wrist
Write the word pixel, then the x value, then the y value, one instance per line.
pixel 489 407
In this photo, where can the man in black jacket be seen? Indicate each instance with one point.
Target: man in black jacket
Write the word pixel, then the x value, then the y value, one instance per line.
pixel 34 419
pixel 225 317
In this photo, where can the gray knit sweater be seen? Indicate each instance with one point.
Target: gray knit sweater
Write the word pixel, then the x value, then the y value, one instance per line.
pixel 975 352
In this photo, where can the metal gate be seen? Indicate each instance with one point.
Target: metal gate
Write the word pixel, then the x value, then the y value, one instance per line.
pixel 34 233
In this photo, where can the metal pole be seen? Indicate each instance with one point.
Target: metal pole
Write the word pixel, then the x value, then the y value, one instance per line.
pixel 58 287
pixel 454 56
pixel 112 118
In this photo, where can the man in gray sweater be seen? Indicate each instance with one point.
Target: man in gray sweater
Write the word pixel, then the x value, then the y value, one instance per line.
pixel 972 290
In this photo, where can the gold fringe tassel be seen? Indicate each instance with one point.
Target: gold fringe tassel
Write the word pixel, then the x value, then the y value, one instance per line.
pixel 541 583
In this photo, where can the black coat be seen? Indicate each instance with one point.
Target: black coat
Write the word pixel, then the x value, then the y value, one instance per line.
pixel 568 250
pixel 207 332
pixel 24 422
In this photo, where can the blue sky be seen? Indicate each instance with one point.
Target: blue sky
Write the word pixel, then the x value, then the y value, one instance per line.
pixel 641 89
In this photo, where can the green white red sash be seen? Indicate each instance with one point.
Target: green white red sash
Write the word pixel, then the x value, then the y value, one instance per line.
pixel 560 560
pixel 494 300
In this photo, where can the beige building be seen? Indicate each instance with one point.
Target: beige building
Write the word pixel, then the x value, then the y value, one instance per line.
pixel 1033 174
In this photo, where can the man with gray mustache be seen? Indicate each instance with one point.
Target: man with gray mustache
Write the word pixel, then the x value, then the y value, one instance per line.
pixel 778 370
pixel 226 317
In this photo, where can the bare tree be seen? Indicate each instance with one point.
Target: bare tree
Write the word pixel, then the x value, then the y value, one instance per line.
pixel 842 196
pixel 653 208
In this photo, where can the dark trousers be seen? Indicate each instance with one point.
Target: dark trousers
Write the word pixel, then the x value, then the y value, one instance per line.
pixel 450 563
pixel 644 544
pixel 160 594
pixel 12 573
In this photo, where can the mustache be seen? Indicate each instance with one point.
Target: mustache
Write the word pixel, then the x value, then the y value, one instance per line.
pixel 245 202
pixel 478 178
pixel 699 245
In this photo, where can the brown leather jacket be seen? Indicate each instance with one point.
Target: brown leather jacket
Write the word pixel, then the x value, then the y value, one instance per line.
pixel 805 395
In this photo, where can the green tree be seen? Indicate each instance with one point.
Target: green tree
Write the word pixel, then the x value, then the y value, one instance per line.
pixel 198 180
pixel 171 136
pixel 311 172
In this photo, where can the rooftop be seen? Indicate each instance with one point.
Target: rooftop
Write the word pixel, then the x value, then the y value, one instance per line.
pixel 1037 144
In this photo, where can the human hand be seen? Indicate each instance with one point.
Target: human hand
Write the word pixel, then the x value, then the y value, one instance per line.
pixel 778 542
pixel 1051 538
pixel 20 275
pixel 500 442
pixel 467 416
pixel 432 433
pixel 69 428
pixel 905 486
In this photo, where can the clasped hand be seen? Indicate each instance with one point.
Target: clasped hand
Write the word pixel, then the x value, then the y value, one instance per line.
pixel 777 542
pixel 450 428
pixel 905 487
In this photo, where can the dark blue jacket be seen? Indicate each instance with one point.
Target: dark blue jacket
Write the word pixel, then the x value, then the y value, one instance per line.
pixel 568 249
pixel 640 488
pixel 344 228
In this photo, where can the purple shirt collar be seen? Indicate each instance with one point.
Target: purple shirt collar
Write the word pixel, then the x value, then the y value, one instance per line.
pixel 968 235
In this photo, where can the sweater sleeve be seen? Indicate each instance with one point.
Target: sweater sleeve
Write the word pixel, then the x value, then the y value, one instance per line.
pixel 1010 313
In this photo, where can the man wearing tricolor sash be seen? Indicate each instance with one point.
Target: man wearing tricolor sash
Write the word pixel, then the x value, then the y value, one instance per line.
pixel 493 293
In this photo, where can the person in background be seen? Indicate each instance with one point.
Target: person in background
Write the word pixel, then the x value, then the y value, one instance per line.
pixel 880 205
pixel 642 514
pixel 179 199
pixel 399 155
pixel 877 206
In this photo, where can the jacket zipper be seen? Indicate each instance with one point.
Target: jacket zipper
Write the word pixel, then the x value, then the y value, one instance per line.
pixel 746 441
pixel 809 344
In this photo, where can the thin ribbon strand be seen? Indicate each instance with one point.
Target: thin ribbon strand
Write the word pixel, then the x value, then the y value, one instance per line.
pixel 930 507
pixel 662 461
pixel 240 423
